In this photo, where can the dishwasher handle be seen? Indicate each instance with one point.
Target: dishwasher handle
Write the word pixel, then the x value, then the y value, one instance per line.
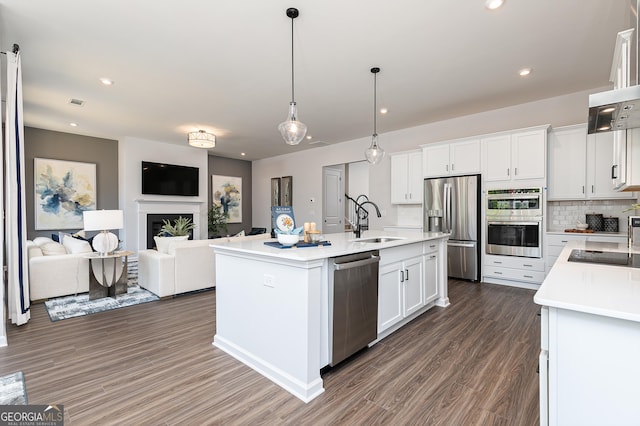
pixel 357 263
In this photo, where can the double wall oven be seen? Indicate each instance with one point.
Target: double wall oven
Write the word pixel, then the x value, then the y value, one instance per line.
pixel 514 222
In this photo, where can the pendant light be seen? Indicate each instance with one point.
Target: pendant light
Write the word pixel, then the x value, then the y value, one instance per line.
pixel 292 130
pixel 374 153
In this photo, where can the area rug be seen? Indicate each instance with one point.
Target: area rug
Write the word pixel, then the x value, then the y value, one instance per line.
pixel 77 306
pixel 12 390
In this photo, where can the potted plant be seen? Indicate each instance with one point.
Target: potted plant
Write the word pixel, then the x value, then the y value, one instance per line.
pixel 177 230
pixel 180 227
pixel 216 220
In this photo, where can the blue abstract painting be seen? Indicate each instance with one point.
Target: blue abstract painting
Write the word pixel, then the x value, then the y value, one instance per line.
pixel 63 190
pixel 226 191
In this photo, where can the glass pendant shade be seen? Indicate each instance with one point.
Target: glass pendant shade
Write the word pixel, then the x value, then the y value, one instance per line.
pixel 374 153
pixel 292 130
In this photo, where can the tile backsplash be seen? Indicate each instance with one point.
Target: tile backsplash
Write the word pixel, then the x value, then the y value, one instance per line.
pixel 563 215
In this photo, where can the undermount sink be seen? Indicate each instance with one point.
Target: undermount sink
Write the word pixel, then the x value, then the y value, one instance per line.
pixel 377 239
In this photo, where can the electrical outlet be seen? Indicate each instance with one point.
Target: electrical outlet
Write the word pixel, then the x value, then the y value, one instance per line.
pixel 269 281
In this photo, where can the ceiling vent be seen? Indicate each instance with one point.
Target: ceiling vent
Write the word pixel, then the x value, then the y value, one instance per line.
pixel 77 102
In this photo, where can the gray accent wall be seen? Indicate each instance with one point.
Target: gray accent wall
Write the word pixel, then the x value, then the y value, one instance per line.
pixel 39 143
pixel 237 168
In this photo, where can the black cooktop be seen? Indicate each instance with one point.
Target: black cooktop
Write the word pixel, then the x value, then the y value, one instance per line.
pixel 605 258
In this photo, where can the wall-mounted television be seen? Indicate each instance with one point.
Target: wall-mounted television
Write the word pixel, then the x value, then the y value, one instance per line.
pixel 169 179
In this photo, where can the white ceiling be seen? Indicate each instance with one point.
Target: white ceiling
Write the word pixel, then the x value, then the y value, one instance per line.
pixel 224 65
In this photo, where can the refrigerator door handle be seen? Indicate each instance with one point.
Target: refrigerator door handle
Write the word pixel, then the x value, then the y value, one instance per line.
pixel 447 206
pixel 470 245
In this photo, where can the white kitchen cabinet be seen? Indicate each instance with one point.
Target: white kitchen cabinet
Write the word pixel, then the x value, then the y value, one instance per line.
pixel 406 178
pixel 521 271
pixel 400 284
pixel 401 291
pixel 589 370
pixel 514 156
pixel 625 170
pixel 451 158
pixel 580 165
pixel 431 272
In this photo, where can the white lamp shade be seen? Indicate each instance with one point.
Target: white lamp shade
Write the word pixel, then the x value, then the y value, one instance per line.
pixel 101 220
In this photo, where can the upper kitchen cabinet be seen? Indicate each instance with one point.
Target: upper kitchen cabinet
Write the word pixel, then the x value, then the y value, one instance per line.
pixel 518 155
pixel 625 170
pixel 451 158
pixel 406 178
pixel 580 165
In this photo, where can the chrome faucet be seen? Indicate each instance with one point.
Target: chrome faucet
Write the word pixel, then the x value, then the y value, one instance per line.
pixel 360 210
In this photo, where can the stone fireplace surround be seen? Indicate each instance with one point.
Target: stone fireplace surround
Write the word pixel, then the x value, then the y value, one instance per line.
pixel 160 207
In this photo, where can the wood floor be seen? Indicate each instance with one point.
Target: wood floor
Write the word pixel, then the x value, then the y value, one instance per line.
pixel 473 363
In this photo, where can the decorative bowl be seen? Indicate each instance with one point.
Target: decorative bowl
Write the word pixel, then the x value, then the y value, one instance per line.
pixel 288 239
pixel 582 226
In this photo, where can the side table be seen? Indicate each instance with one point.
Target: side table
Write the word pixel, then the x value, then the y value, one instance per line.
pixel 108 274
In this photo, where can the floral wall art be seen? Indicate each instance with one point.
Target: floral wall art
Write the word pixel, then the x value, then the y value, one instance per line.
pixel 63 190
pixel 227 192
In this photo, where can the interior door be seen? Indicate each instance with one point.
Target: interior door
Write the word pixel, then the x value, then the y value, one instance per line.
pixel 333 199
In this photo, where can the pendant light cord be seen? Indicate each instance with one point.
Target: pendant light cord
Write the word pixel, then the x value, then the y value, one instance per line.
pixel 292 69
pixel 375 97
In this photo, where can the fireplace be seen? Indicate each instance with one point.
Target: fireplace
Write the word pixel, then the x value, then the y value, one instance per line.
pixel 165 209
pixel 155 222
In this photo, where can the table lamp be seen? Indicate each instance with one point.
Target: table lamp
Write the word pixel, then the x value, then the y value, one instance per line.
pixel 103 220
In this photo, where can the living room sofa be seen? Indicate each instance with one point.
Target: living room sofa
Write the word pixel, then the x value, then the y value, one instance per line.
pixel 186 266
pixel 57 269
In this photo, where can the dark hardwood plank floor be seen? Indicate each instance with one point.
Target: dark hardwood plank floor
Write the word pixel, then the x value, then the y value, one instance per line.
pixel 473 363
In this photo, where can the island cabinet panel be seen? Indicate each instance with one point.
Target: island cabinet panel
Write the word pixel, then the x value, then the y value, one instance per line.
pixel 593 369
pixel 431 260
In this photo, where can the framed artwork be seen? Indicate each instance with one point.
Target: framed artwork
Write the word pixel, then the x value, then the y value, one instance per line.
pixel 226 191
pixel 63 190
pixel 275 191
pixel 286 198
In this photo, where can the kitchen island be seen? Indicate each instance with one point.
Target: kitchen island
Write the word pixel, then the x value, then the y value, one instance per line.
pixel 272 304
pixel 590 337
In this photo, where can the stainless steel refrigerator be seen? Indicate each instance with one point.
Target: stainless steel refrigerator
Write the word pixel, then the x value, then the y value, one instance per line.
pixel 452 205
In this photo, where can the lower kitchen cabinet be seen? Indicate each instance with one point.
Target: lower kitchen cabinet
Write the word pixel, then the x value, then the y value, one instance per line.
pixel 589 369
pixel 521 271
pixel 401 292
pixel 408 280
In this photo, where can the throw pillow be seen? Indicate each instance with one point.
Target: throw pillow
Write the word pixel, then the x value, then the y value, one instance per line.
pixel 42 240
pixel 163 244
pixel 61 236
pixel 75 246
pixel 52 248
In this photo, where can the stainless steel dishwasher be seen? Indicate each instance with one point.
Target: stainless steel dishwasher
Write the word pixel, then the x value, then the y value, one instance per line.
pixel 353 296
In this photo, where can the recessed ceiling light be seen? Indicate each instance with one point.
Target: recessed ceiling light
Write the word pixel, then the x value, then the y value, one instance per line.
pixel 493 4
pixel 106 81
pixel 73 124
pixel 383 110
pixel 524 72
pixel 309 137
pixel 243 154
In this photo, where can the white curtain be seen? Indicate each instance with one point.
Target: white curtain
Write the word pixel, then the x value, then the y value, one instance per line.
pixel 15 211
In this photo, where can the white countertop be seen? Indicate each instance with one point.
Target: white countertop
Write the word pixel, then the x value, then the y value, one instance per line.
pixel 586 234
pixel 612 291
pixel 341 244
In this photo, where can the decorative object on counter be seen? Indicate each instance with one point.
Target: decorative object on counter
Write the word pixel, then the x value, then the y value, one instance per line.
pixel 581 226
pixel 202 139
pixel 374 153
pixel 282 218
pixel 216 220
pixel 292 130
pixel 300 244
pixel 580 231
pixel 610 224
pixel 311 234
pixel 595 221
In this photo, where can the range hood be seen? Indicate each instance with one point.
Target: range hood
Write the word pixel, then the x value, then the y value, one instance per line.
pixel 619 109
